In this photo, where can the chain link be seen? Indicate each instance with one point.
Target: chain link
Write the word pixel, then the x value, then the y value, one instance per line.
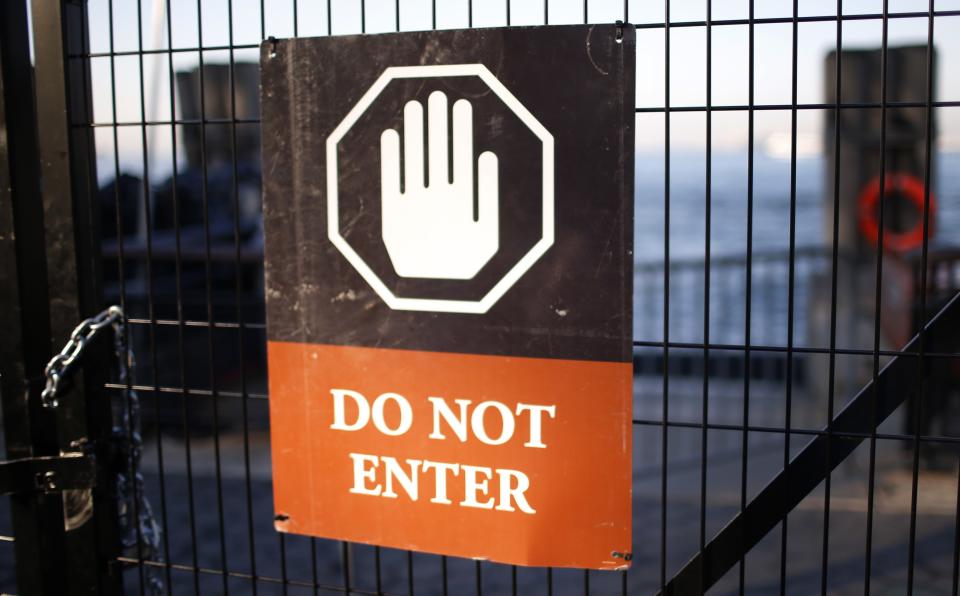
pixel 60 365
pixel 139 530
pixel 140 534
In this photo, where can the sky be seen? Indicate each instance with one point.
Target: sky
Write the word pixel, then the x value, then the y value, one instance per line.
pixel 145 26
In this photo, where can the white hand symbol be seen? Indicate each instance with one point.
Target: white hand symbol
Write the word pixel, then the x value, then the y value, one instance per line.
pixel 430 230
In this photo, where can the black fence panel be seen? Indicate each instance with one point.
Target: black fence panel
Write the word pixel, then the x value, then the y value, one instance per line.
pixel 796 363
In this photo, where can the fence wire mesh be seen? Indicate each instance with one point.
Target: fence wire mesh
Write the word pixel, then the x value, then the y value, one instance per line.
pixel 761 308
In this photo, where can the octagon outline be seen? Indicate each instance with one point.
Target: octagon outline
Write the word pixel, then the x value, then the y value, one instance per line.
pixel 519 268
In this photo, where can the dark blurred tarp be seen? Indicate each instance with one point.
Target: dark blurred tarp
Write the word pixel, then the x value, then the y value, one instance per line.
pixel 204 220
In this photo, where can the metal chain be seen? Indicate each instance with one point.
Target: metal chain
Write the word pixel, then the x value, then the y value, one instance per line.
pixel 140 533
pixel 139 530
pixel 60 365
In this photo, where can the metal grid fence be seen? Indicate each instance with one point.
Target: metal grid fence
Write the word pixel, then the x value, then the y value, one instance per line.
pixel 735 372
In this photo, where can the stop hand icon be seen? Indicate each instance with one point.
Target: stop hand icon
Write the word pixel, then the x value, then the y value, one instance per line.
pixel 440 203
pixel 432 230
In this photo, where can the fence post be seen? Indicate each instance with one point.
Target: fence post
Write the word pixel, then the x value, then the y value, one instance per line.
pixel 72 224
pixel 66 542
pixel 36 519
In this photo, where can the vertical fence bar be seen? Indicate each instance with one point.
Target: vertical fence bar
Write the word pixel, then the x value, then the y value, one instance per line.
pixel 832 354
pixel 878 297
pixel 626 19
pixel 748 297
pixel 344 564
pixel 624 576
pixel 151 314
pixel 241 326
pixel 70 234
pixel 791 298
pixel 25 321
pixel 956 543
pixel 181 319
pixel 65 168
pixel 664 428
pixel 479 578
pixel 708 214
pixel 956 529
pixel 118 214
pixel 26 324
pixel 211 319
pixel 296 21
pixel 925 251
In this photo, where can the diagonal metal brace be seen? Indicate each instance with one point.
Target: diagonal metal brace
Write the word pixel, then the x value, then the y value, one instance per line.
pixel 896 383
pixel 47 474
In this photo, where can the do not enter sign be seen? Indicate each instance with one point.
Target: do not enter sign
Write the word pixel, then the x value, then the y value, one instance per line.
pixel 448 221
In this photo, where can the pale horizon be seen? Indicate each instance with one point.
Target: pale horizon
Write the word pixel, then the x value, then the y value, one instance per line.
pixel 772 61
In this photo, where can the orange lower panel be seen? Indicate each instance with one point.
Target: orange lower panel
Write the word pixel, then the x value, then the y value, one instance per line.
pixel 579 481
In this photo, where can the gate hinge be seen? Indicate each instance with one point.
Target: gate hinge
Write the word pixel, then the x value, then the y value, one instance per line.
pixel 48 474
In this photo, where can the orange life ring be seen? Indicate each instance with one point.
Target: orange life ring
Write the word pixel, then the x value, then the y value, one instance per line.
pixel 911 188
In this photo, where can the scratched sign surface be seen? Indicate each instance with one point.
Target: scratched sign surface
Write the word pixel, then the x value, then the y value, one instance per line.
pixel 448 219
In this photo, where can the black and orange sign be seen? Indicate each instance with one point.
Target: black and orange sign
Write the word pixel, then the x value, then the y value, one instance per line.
pixel 448 219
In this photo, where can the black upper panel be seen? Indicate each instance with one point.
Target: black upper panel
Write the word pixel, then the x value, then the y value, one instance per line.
pixel 577 81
